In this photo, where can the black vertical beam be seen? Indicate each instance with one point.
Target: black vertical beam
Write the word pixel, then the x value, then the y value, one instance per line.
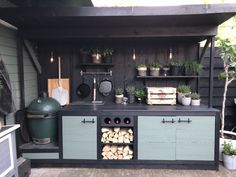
pixel 198 79
pixel 20 64
pixel 211 71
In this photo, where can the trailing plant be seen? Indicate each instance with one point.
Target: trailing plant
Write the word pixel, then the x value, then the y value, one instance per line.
pixel 119 91
pixel 228 149
pixel 140 93
pixel 130 89
pixel 176 63
pixel 195 96
pixel 228 56
pixel 192 65
pixel 184 89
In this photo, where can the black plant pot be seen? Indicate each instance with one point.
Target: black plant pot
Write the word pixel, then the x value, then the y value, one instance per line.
pixel 131 98
pixel 107 59
pixel 189 72
pixel 176 70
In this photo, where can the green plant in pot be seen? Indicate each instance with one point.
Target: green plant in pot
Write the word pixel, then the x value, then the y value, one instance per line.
pixel 192 67
pixel 229 156
pixel 195 99
pixel 107 55
pixel 155 69
pixel 119 95
pixel 131 93
pixel 140 94
pixel 176 68
pixel 142 70
pixel 182 91
pixel 96 55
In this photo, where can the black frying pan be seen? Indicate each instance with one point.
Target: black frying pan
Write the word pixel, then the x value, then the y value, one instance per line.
pixel 83 90
pixel 105 87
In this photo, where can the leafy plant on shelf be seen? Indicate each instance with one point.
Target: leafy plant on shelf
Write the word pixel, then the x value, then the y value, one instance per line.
pixel 176 63
pixel 140 66
pixel 155 66
pixel 107 52
pixel 119 91
pixel 184 89
pixel 228 56
pixel 195 96
pixel 140 93
pixel 192 66
pixel 130 89
pixel 228 149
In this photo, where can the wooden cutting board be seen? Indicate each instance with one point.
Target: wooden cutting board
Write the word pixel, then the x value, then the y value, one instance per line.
pixel 53 83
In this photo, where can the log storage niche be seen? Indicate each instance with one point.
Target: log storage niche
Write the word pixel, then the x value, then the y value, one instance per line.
pixel 117 138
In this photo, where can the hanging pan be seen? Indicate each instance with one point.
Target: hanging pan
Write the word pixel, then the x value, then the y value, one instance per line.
pixel 83 90
pixel 105 87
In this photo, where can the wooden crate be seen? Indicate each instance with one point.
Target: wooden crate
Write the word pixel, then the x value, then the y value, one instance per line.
pixel 161 95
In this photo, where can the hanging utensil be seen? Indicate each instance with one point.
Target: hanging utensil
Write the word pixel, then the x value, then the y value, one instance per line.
pixel 59 93
pixel 105 86
pixel 83 90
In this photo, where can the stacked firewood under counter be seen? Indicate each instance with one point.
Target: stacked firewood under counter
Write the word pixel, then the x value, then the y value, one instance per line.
pixel 117 143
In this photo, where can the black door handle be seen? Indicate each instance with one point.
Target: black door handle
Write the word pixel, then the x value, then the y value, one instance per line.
pixel 88 121
pixel 168 121
pixel 187 121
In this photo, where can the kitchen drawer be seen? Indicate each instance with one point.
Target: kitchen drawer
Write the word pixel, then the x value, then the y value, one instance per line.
pixel 79 137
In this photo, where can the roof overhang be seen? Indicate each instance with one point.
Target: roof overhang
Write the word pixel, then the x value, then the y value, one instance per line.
pixel 197 21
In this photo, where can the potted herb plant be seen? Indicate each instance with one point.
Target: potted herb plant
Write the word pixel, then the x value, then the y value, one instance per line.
pixel 96 55
pixel 182 91
pixel 142 70
pixel 155 69
pixel 186 100
pixel 227 53
pixel 229 156
pixel 131 93
pixel 119 95
pixel 107 55
pixel 140 94
pixel 192 67
pixel 195 99
pixel 176 68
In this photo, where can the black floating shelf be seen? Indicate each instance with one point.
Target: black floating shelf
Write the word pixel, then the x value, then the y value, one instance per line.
pixel 96 64
pixel 118 144
pixel 166 77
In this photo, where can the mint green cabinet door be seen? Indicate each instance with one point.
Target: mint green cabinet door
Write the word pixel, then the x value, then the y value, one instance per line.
pixel 79 138
pixel 156 140
pixel 195 140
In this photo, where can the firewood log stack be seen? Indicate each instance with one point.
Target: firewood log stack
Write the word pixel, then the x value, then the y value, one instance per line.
pixel 114 152
pixel 117 135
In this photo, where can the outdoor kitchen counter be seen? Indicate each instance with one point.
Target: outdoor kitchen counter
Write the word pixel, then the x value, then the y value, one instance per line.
pixel 136 109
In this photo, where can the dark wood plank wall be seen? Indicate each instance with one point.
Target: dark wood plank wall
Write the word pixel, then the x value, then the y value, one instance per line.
pixel 124 69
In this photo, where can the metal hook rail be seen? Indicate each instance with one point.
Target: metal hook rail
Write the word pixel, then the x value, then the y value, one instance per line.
pixel 96 73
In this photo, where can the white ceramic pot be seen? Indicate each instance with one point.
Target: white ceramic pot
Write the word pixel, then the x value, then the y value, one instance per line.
pixel 195 102
pixel 229 161
pixel 180 96
pixel 221 145
pixel 119 98
pixel 186 101
pixel 154 71
pixel 142 71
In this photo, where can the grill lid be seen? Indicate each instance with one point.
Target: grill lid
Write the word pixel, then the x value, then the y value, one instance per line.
pixel 43 106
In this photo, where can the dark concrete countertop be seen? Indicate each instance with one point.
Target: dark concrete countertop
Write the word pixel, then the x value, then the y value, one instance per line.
pixel 137 109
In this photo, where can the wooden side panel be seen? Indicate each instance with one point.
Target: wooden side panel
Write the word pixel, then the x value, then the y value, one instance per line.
pixel 156 140
pixel 79 139
pixel 195 140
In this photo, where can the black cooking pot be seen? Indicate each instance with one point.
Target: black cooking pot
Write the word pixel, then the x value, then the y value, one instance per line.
pixel 83 90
